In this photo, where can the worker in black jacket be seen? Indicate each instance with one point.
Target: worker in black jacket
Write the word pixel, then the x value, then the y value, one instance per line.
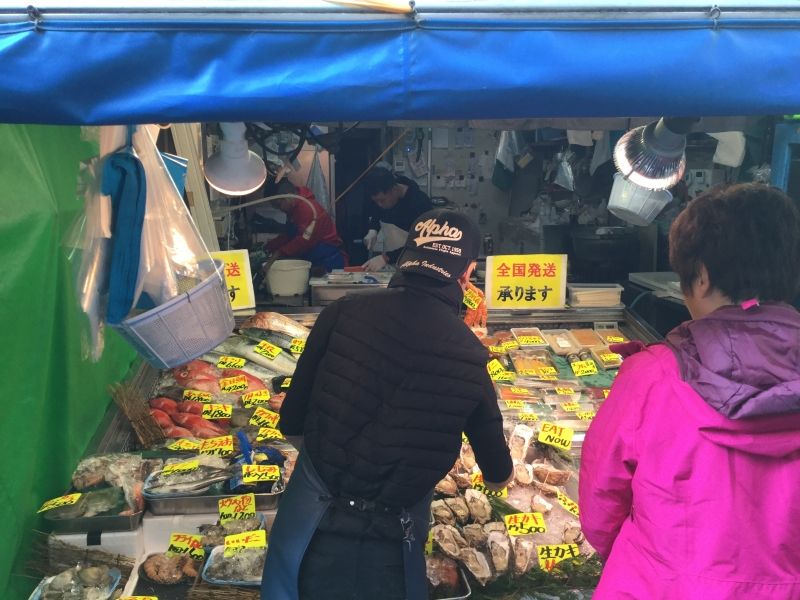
pixel 386 385
pixel 397 202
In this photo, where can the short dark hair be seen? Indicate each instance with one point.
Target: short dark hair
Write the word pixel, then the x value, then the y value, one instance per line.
pixel 378 180
pixel 284 186
pixel 747 236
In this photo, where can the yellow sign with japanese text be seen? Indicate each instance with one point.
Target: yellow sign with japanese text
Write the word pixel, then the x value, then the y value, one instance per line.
pixel 526 281
pixel 186 544
pixel 232 508
pixel 238 279
pixel 237 542
pixel 67 500
pixel 525 523
pixel 550 555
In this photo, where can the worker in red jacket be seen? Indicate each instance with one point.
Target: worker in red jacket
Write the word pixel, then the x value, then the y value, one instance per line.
pixel 311 232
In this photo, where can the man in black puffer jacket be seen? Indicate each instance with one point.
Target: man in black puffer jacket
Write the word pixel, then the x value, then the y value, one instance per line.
pixel 387 383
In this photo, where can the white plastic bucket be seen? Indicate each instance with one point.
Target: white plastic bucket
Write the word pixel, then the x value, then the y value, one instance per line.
pixel 635 204
pixel 288 277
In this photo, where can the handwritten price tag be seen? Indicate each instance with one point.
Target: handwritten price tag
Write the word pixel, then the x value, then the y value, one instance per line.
pixel 553 435
pixel 239 541
pixel 196 396
pixel 217 411
pixel 510 345
pixel 233 384
pixel 586 415
pixel 514 404
pixel 570 406
pixel 67 500
pixel 298 346
pixel 267 350
pixel 477 484
pixel 551 554
pixel 179 468
pixel 221 445
pixel 610 357
pixel 264 418
pixel 188 544
pixel 183 444
pixel 464 438
pixel 496 349
pixel 525 523
pixel 230 362
pixel 582 368
pixel 429 543
pixel 260 473
pixel 545 371
pixel 251 399
pixel 498 372
pixel 615 339
pixel 286 383
pixel 269 433
pixel 520 391
pixel 569 504
pixel 472 299
pixel 528 417
pixel 564 391
pixel 531 340
pixel 237 508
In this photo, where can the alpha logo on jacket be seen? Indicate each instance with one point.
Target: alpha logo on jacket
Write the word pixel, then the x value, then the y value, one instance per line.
pixel 431 231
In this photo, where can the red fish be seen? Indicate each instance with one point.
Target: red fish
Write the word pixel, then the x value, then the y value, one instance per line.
pixel 253 383
pixel 196 369
pixel 162 419
pixel 190 406
pixel 167 405
pixel 178 432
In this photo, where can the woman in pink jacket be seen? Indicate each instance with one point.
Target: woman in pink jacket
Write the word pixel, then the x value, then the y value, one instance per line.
pixel 690 475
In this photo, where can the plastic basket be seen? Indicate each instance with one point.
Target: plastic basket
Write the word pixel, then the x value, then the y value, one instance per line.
pixel 288 277
pixel 184 328
pixel 635 204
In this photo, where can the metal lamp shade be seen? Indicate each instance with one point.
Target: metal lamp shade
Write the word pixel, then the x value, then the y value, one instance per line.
pixel 651 156
pixel 235 170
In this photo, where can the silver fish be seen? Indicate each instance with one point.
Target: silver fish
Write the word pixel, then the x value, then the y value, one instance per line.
pixel 277 322
pixel 282 364
pixel 264 374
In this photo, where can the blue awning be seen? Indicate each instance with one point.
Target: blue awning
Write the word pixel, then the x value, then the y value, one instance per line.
pixel 143 65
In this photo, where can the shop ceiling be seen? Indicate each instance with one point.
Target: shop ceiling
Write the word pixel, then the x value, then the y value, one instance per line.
pixel 111 62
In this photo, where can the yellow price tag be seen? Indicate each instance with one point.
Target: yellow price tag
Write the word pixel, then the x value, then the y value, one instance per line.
pixel 221 445
pixel 196 396
pixel 286 383
pixel 269 433
pixel 267 350
pixel 615 339
pixel 239 541
pixel 477 484
pixel 582 368
pixel 183 444
pixel 551 554
pixel 472 299
pixel 497 349
pixel 67 500
pixel 498 372
pixel 586 415
pixel 188 544
pixel 525 523
pixel 610 357
pixel 531 340
pixel 182 467
pixel 510 345
pixel 251 399
pixel 464 439
pixel 514 404
pixel 606 392
pixel 298 346
pixel 264 418
pixel 233 384
pixel 217 411
pixel 528 417
pixel 570 406
pixel 235 508
pixel 569 504
pixel 230 362
pixel 521 391
pixel 260 473
pixel 429 543
pixel 547 371
pixel 554 435
pixel 564 391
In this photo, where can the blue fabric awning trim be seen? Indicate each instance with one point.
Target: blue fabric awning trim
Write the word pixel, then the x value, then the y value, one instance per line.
pixel 185 68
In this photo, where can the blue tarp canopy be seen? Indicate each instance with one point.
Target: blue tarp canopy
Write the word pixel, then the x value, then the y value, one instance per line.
pixel 222 60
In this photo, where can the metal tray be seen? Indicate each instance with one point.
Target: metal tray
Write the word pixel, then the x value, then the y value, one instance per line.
pixel 95 524
pixel 193 505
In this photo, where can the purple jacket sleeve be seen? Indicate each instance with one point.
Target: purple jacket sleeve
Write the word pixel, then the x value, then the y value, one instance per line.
pixel 609 457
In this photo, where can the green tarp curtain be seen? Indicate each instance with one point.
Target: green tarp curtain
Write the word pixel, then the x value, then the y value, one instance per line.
pixel 52 400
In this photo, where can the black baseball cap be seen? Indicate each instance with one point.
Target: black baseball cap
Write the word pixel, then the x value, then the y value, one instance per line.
pixel 441 244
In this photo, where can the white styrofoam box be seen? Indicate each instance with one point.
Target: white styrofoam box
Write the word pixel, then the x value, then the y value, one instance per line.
pixel 127 543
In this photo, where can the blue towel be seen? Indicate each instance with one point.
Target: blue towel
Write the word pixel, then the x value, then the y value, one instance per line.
pixel 124 181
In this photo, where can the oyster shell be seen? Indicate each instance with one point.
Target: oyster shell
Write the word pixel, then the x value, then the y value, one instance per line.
pixel 477 564
pixel 475 535
pixel 449 540
pixel 494 526
pixel 524 553
pixel 539 504
pixel 547 473
pixel 460 509
pixel 463 480
pixel 519 442
pixel 94 576
pixel 467 457
pixel 523 474
pixel 442 570
pixel 447 486
pixel 545 488
pixel 479 508
pixel 500 551
pixel 572 534
pixel 442 513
